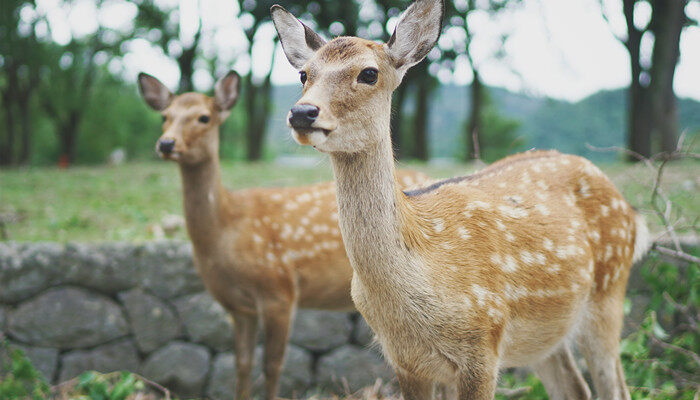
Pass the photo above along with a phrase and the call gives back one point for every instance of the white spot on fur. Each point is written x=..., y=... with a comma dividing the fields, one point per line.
x=542, y=185
x=553, y=268
x=542, y=209
x=438, y=225
x=510, y=237
x=271, y=257
x=478, y=204
x=512, y=212
x=257, y=238
x=585, y=187
x=304, y=197
x=304, y=221
x=276, y=196
x=595, y=235
x=499, y=225
x=548, y=244
x=605, y=210
x=507, y=263
x=463, y=233
x=608, y=253
x=291, y=206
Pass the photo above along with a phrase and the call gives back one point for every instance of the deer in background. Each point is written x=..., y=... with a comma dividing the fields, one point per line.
x=507, y=267
x=260, y=252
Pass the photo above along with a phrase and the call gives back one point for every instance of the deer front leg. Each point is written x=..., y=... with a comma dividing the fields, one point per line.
x=245, y=328
x=415, y=388
x=276, y=319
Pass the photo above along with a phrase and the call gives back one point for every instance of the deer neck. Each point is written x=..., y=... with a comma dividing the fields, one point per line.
x=202, y=198
x=369, y=203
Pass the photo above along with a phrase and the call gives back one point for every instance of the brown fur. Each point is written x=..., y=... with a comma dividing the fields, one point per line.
x=507, y=267
x=260, y=252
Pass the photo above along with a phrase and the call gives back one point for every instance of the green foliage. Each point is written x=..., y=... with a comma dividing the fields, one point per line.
x=94, y=386
x=660, y=358
x=19, y=378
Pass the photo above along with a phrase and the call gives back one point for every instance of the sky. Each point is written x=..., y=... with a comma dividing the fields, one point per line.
x=562, y=49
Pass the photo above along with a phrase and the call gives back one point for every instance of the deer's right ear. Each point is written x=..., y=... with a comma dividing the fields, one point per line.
x=156, y=95
x=299, y=42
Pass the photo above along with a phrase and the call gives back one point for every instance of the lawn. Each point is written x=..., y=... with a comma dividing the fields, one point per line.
x=127, y=202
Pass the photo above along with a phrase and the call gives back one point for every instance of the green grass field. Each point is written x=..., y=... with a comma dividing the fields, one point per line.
x=107, y=203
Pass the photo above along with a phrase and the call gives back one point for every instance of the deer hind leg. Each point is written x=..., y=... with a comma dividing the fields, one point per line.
x=413, y=387
x=478, y=383
x=599, y=341
x=245, y=328
x=276, y=321
x=561, y=377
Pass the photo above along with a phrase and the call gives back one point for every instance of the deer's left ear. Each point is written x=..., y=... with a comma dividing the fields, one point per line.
x=299, y=42
x=416, y=33
x=226, y=92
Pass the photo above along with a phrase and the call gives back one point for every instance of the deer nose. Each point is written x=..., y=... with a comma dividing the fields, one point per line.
x=166, y=146
x=303, y=115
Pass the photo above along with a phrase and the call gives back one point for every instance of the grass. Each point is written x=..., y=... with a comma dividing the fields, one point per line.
x=126, y=202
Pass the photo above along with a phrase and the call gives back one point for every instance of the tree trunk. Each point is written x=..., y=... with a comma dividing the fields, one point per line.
x=638, y=113
x=397, y=120
x=474, y=126
x=667, y=23
x=69, y=135
x=8, y=145
x=420, y=121
x=26, y=130
x=258, y=101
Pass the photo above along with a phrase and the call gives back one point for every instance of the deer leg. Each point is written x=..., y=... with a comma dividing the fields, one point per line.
x=415, y=388
x=276, y=320
x=245, y=328
x=599, y=341
x=478, y=383
x=561, y=377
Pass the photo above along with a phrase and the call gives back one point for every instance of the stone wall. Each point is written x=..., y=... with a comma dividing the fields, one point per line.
x=143, y=308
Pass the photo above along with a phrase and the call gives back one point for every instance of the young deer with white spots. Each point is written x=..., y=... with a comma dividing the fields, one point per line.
x=510, y=266
x=260, y=252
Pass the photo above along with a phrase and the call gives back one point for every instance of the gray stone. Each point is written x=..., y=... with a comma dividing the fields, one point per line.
x=153, y=322
x=181, y=367
x=117, y=356
x=44, y=359
x=222, y=384
x=106, y=267
x=363, y=334
x=67, y=318
x=296, y=378
x=28, y=268
x=205, y=321
x=167, y=269
x=351, y=366
x=320, y=330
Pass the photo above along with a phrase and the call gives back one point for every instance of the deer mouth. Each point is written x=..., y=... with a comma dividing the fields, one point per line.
x=310, y=136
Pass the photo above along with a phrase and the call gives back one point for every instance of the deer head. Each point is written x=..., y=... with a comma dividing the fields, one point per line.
x=348, y=82
x=191, y=120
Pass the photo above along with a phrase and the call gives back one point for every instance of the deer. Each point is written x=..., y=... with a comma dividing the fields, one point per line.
x=261, y=252
x=510, y=266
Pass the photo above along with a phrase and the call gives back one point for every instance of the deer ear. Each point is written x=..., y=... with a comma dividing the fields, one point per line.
x=416, y=33
x=226, y=91
x=156, y=95
x=299, y=42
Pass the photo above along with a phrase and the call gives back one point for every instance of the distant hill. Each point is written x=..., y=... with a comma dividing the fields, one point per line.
x=598, y=120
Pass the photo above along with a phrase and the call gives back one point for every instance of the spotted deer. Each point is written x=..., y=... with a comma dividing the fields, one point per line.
x=261, y=252
x=510, y=266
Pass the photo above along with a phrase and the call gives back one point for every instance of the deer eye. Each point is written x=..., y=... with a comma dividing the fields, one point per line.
x=203, y=119
x=302, y=77
x=368, y=76
x=165, y=117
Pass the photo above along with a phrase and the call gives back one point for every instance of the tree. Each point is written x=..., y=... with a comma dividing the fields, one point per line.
x=152, y=15
x=458, y=14
x=21, y=60
x=652, y=108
